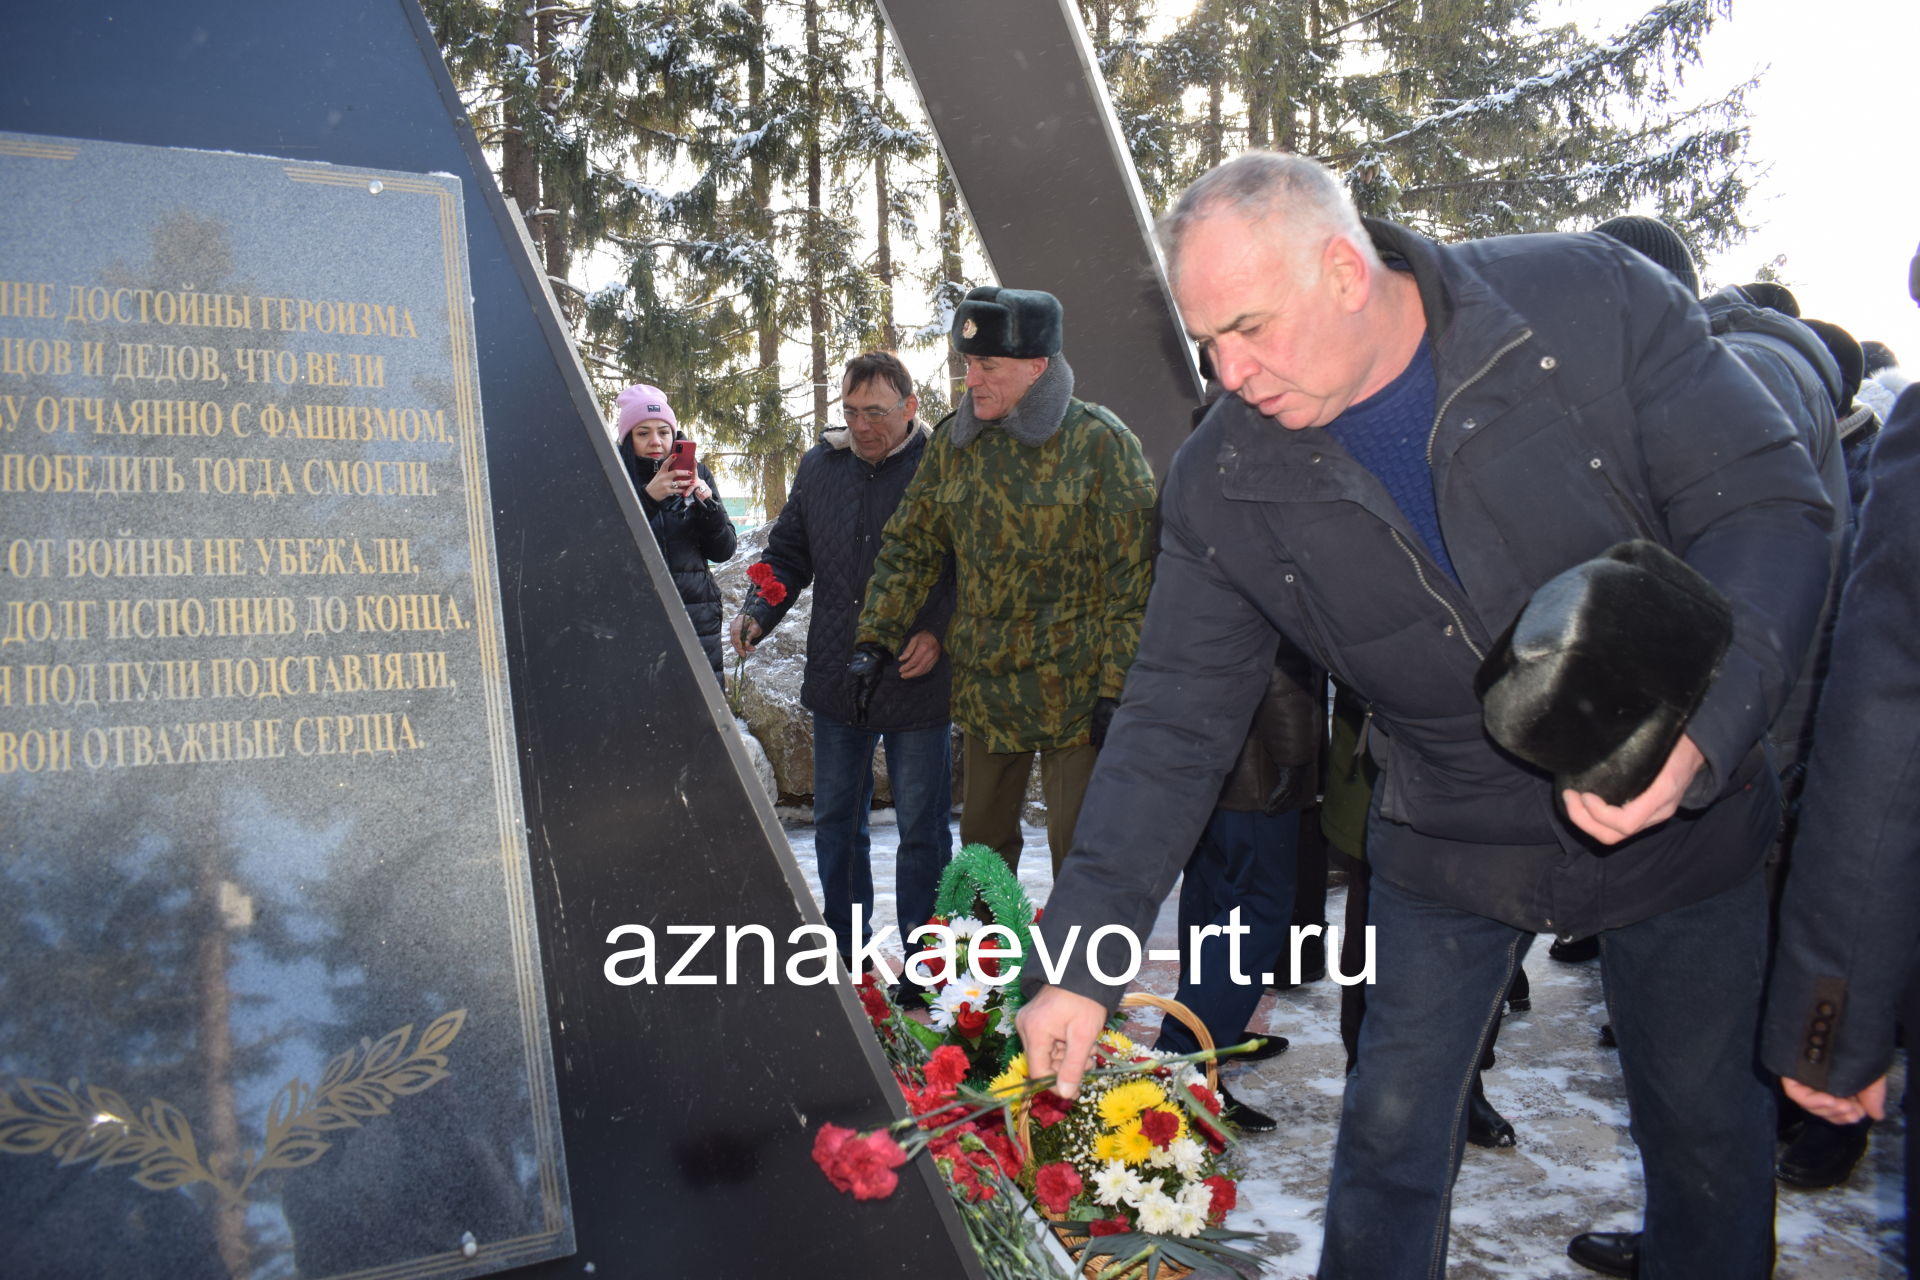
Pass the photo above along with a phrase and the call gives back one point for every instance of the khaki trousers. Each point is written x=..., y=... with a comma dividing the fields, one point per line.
x=994, y=790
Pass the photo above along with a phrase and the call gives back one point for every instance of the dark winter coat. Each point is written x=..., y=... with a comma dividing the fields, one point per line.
x=1278, y=768
x=826, y=537
x=1580, y=403
x=1799, y=372
x=1850, y=913
x=690, y=534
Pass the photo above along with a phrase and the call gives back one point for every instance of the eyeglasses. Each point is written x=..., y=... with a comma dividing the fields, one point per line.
x=856, y=413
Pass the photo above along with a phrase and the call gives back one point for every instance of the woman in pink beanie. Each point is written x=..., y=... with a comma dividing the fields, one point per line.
x=685, y=513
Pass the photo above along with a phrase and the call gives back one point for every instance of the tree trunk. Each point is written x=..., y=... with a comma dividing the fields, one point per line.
x=950, y=270
x=519, y=166
x=883, y=258
x=816, y=226
x=767, y=408
x=553, y=221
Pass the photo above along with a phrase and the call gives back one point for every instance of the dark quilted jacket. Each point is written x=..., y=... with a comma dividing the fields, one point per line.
x=689, y=537
x=826, y=537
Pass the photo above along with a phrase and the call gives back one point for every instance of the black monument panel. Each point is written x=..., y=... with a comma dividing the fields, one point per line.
x=687, y=1112
x=247, y=613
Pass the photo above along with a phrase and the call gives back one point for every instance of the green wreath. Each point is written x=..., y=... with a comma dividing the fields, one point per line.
x=978, y=878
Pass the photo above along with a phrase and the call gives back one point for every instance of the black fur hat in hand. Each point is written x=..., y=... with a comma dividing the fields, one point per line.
x=1596, y=679
x=1021, y=323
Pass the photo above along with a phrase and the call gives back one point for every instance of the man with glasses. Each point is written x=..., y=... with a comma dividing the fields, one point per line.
x=1044, y=503
x=847, y=487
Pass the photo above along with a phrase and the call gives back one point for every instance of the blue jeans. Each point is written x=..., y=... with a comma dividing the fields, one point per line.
x=1243, y=860
x=920, y=772
x=1683, y=993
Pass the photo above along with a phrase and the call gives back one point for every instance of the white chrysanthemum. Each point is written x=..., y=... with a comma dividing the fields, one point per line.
x=1196, y=1196
x=1114, y=1183
x=946, y=1005
x=1183, y=1155
x=1159, y=1214
x=965, y=926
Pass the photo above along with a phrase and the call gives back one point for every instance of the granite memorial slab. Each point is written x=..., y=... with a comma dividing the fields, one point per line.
x=270, y=990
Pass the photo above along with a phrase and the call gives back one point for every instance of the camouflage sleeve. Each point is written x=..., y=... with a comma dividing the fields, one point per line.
x=913, y=549
x=1126, y=506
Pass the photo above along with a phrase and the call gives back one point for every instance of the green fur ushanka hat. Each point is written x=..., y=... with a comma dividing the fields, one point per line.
x=1021, y=323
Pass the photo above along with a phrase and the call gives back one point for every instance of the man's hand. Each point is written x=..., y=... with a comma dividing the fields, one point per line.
x=1870, y=1101
x=1610, y=824
x=1058, y=1030
x=1101, y=720
x=869, y=660
x=919, y=654
x=745, y=634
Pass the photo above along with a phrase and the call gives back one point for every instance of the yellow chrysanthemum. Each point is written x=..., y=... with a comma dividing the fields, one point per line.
x=1012, y=1080
x=1127, y=1145
x=1126, y=1101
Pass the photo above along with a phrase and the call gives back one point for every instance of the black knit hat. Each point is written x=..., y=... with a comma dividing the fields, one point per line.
x=1772, y=295
x=1848, y=355
x=1021, y=323
x=1654, y=239
x=1596, y=679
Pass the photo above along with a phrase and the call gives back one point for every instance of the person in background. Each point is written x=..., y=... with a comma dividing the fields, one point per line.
x=1044, y=504
x=688, y=521
x=1846, y=969
x=826, y=538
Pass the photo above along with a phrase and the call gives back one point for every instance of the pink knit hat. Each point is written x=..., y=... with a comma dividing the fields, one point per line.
x=642, y=403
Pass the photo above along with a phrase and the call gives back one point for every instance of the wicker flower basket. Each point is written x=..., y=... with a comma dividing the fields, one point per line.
x=1095, y=1263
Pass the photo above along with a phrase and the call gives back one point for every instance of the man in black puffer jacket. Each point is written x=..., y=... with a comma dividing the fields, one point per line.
x=1421, y=436
x=827, y=536
x=685, y=513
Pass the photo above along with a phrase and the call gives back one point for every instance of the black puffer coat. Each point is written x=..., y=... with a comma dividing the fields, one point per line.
x=690, y=535
x=1581, y=402
x=827, y=537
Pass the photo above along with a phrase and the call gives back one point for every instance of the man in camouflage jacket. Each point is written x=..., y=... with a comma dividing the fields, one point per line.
x=1045, y=503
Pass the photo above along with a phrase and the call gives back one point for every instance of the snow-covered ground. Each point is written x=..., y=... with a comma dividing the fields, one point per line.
x=1574, y=1169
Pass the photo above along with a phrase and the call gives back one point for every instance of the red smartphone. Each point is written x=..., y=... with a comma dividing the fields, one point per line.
x=680, y=458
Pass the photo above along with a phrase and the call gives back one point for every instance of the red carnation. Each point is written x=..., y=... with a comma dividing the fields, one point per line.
x=1049, y=1108
x=971, y=1021
x=863, y=1165
x=946, y=1069
x=761, y=574
x=1225, y=1196
x=1056, y=1185
x=1204, y=1096
x=874, y=1002
x=1002, y=1148
x=1160, y=1126
x=1117, y=1225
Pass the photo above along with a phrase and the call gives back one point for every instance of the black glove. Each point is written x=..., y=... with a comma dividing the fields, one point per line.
x=869, y=660
x=1101, y=719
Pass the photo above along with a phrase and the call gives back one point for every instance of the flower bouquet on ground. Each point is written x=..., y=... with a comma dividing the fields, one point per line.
x=1129, y=1171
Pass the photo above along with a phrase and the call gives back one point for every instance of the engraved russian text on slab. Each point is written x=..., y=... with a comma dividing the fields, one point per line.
x=269, y=991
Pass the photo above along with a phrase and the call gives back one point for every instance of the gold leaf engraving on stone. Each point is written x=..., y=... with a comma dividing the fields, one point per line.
x=82, y=1124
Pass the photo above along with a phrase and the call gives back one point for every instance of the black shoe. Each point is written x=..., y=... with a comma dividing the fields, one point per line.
x=1485, y=1126
x=1611, y=1253
x=1273, y=1048
x=1520, y=994
x=1606, y=1036
x=1243, y=1117
x=1822, y=1154
x=1575, y=950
